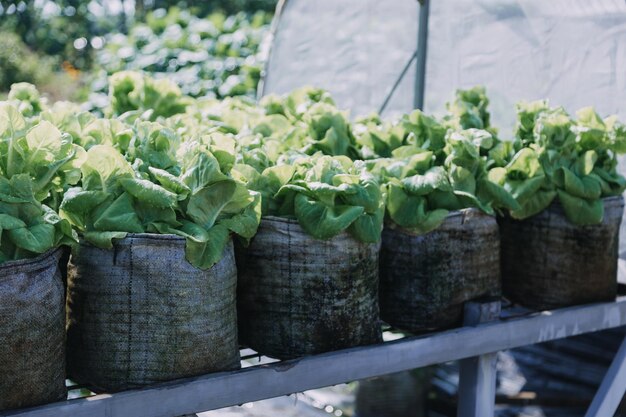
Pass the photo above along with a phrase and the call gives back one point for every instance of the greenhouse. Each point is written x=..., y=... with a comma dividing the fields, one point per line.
x=290, y=208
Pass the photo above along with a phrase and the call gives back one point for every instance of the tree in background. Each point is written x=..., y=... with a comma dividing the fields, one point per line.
x=202, y=8
x=18, y=63
x=69, y=29
x=61, y=29
x=40, y=36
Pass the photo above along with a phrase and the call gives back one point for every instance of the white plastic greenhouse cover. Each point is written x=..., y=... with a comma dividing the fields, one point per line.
x=572, y=52
x=353, y=48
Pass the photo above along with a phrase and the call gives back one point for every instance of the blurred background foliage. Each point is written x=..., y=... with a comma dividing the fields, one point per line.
x=69, y=47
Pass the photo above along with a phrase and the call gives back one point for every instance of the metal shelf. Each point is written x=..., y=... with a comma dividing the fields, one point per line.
x=264, y=381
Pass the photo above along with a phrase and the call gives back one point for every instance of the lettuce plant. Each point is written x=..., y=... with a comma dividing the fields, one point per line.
x=468, y=110
x=201, y=202
x=326, y=195
x=40, y=150
x=317, y=124
x=420, y=191
x=28, y=227
x=216, y=56
x=135, y=92
x=378, y=139
x=559, y=158
x=27, y=99
x=37, y=163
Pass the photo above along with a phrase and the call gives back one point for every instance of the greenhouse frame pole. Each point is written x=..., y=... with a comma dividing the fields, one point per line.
x=612, y=389
x=422, y=46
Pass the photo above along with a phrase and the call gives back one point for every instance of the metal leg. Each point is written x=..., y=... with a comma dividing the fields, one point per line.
x=477, y=383
x=612, y=389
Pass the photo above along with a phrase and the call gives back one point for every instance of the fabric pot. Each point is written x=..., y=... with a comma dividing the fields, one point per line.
x=548, y=262
x=32, y=332
x=426, y=279
x=139, y=313
x=298, y=295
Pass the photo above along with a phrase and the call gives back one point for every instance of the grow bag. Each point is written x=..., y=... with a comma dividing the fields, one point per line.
x=426, y=279
x=139, y=313
x=548, y=262
x=32, y=332
x=298, y=295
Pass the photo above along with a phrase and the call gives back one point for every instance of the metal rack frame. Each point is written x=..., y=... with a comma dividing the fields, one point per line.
x=484, y=334
x=479, y=339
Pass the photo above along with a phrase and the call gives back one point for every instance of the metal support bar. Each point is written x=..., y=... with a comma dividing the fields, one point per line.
x=422, y=46
x=477, y=382
x=224, y=389
x=612, y=389
x=397, y=83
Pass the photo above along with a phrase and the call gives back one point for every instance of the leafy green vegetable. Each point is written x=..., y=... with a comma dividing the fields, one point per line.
x=327, y=195
x=377, y=139
x=217, y=56
x=469, y=110
x=196, y=198
x=134, y=92
x=421, y=190
x=42, y=151
x=559, y=157
x=27, y=227
x=29, y=101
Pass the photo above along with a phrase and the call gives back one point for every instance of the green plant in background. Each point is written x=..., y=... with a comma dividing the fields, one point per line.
x=71, y=30
x=134, y=92
x=19, y=64
x=70, y=47
x=468, y=110
x=60, y=30
x=414, y=131
x=216, y=56
x=202, y=8
x=27, y=98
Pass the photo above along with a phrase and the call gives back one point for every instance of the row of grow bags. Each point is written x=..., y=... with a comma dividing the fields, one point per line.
x=140, y=314
x=158, y=193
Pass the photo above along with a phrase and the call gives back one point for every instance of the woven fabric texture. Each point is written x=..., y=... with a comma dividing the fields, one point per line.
x=299, y=296
x=32, y=332
x=548, y=262
x=139, y=313
x=426, y=279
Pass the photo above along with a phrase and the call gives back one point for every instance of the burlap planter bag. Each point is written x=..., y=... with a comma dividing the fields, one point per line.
x=548, y=262
x=139, y=313
x=32, y=332
x=425, y=279
x=299, y=296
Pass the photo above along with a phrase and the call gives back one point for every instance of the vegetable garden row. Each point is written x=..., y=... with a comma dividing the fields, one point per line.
x=215, y=56
x=195, y=224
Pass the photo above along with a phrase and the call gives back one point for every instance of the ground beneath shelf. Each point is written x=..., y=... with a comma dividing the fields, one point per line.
x=314, y=403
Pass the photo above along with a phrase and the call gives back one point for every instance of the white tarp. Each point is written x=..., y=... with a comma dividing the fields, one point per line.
x=353, y=48
x=572, y=52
